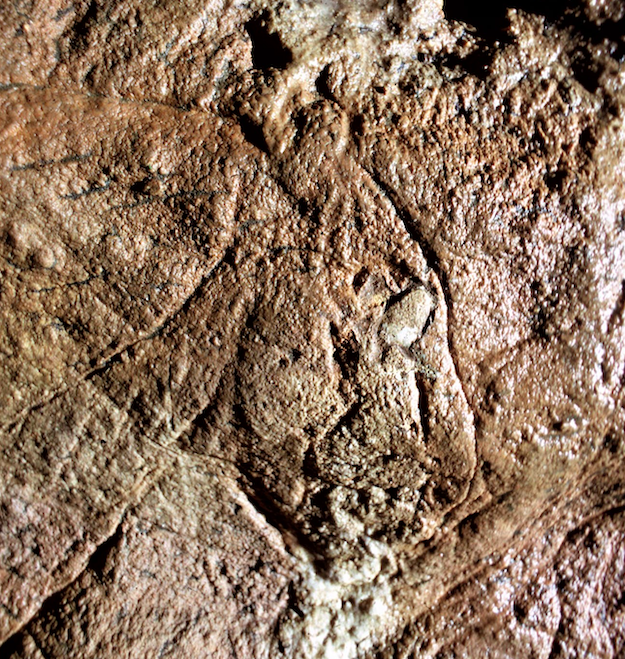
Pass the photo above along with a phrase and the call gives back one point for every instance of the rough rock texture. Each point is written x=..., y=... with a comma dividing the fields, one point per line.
x=312, y=336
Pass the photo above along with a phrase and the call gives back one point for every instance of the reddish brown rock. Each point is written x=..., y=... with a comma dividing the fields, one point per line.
x=312, y=339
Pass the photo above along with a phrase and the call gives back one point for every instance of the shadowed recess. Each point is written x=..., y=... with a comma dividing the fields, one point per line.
x=268, y=51
x=489, y=16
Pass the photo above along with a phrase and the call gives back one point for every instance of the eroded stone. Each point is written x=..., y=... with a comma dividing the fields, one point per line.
x=312, y=338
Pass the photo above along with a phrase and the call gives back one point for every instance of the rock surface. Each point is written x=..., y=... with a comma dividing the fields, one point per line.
x=312, y=336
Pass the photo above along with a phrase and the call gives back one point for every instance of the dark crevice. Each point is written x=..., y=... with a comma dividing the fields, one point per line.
x=102, y=368
x=13, y=647
x=616, y=317
x=253, y=133
x=475, y=63
x=292, y=603
x=142, y=187
x=240, y=420
x=346, y=353
x=414, y=231
x=268, y=51
x=587, y=70
x=489, y=20
x=83, y=27
x=98, y=561
x=310, y=467
x=424, y=407
x=322, y=84
x=265, y=504
x=489, y=17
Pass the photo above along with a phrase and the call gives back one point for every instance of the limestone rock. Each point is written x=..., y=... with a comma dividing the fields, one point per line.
x=312, y=337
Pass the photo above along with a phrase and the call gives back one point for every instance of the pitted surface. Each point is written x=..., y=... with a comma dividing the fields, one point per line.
x=312, y=338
